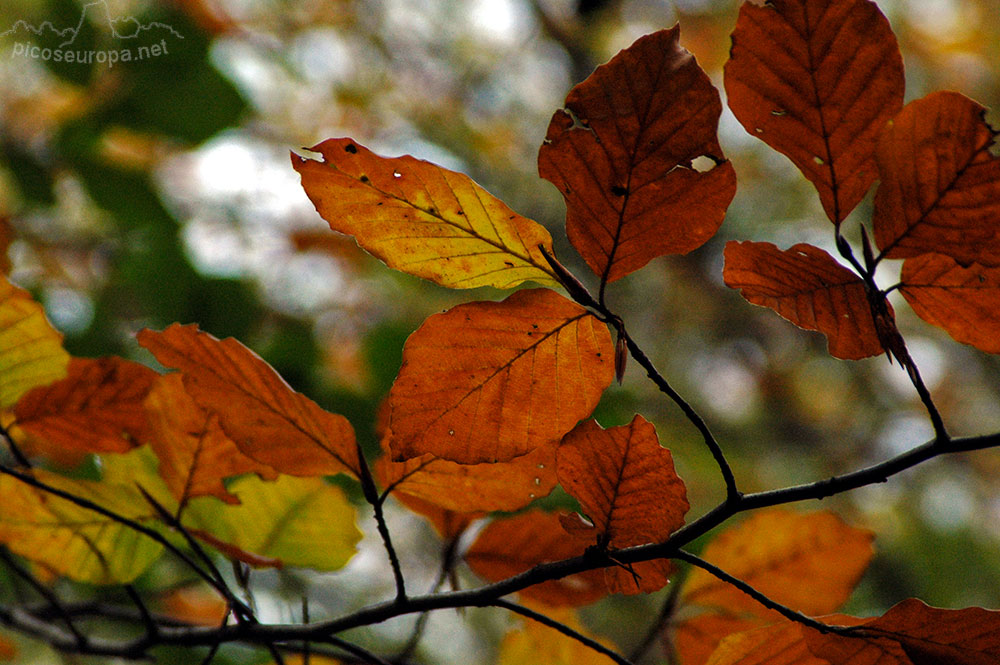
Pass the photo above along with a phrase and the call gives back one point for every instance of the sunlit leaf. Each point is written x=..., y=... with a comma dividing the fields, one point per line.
x=817, y=80
x=963, y=301
x=304, y=522
x=512, y=545
x=940, y=189
x=97, y=408
x=623, y=155
x=626, y=485
x=31, y=352
x=195, y=454
x=490, y=381
x=537, y=643
x=808, y=287
x=268, y=421
x=72, y=541
x=423, y=219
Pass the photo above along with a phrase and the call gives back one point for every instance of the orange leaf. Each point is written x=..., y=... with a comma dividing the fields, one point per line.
x=7, y=650
x=194, y=604
x=469, y=488
x=626, y=484
x=448, y=523
x=696, y=638
x=423, y=219
x=940, y=189
x=621, y=155
x=512, y=545
x=808, y=287
x=490, y=381
x=268, y=421
x=195, y=454
x=817, y=80
x=97, y=408
x=963, y=301
x=784, y=642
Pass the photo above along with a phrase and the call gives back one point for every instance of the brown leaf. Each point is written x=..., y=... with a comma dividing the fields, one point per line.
x=626, y=484
x=697, y=637
x=97, y=408
x=621, y=155
x=512, y=545
x=940, y=189
x=423, y=219
x=784, y=642
x=808, y=287
x=963, y=301
x=268, y=421
x=471, y=488
x=490, y=381
x=195, y=454
x=817, y=80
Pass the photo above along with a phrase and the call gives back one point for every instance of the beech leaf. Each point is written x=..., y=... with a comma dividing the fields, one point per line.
x=31, y=351
x=268, y=421
x=538, y=643
x=490, y=381
x=963, y=301
x=808, y=287
x=622, y=155
x=817, y=80
x=424, y=219
x=626, y=484
x=940, y=189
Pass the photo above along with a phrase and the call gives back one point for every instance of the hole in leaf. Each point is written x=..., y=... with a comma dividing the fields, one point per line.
x=703, y=163
x=819, y=160
x=351, y=148
x=397, y=174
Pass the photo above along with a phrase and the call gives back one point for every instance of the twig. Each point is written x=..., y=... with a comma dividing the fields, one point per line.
x=564, y=629
x=656, y=628
x=447, y=566
x=371, y=495
x=761, y=598
x=147, y=619
x=44, y=592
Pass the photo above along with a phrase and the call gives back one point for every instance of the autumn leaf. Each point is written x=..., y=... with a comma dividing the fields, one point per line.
x=808, y=287
x=782, y=642
x=423, y=219
x=512, y=545
x=807, y=561
x=269, y=422
x=623, y=153
x=8, y=652
x=304, y=522
x=470, y=488
x=940, y=189
x=195, y=454
x=449, y=524
x=490, y=381
x=538, y=643
x=963, y=301
x=197, y=605
x=626, y=485
x=72, y=541
x=97, y=408
x=817, y=80
x=31, y=352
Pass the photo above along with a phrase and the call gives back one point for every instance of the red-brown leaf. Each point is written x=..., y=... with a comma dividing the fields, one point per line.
x=940, y=189
x=268, y=421
x=97, y=408
x=808, y=287
x=817, y=80
x=621, y=155
x=963, y=301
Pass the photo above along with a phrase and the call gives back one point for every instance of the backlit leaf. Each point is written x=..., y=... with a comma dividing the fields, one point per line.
x=783, y=642
x=817, y=80
x=963, y=301
x=304, y=522
x=97, y=408
x=808, y=287
x=626, y=485
x=268, y=421
x=940, y=189
x=72, y=541
x=490, y=381
x=538, y=643
x=31, y=352
x=512, y=545
x=194, y=453
x=623, y=155
x=468, y=488
x=423, y=219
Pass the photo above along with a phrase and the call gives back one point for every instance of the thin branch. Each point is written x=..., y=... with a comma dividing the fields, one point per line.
x=448, y=556
x=371, y=495
x=54, y=603
x=564, y=629
x=147, y=619
x=658, y=625
x=761, y=598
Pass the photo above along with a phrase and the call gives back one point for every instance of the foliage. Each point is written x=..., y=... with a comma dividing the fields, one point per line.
x=118, y=475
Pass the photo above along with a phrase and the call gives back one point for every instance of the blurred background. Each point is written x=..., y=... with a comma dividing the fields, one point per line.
x=138, y=194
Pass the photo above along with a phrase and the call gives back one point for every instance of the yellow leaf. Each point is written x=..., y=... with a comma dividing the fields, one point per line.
x=303, y=522
x=423, y=219
x=536, y=643
x=31, y=352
